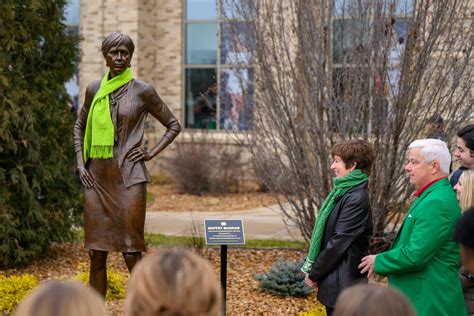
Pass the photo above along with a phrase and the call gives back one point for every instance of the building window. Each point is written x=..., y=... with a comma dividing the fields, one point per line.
x=218, y=72
x=353, y=24
x=71, y=15
x=354, y=40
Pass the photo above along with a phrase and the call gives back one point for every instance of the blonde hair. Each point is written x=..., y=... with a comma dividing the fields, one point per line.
x=60, y=298
x=372, y=299
x=173, y=282
x=467, y=189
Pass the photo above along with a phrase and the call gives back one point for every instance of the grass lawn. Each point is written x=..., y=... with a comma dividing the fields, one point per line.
x=153, y=239
x=164, y=240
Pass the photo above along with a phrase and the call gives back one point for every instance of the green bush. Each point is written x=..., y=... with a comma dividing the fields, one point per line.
x=115, y=284
x=39, y=193
x=284, y=279
x=13, y=289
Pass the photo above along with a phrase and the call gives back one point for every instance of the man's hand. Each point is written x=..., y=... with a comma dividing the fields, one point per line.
x=138, y=154
x=85, y=177
x=367, y=265
x=310, y=282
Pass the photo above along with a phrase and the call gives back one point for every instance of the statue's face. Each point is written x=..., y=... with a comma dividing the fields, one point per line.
x=118, y=59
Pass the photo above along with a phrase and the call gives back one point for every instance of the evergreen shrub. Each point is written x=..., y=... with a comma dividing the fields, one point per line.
x=39, y=193
x=284, y=279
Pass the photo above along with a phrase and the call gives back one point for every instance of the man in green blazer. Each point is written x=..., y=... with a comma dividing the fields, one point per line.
x=423, y=261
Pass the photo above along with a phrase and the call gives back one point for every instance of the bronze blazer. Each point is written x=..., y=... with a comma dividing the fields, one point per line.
x=140, y=99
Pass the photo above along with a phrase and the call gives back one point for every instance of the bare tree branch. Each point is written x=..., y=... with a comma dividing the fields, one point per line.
x=332, y=70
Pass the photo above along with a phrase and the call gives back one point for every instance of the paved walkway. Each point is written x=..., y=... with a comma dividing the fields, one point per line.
x=260, y=223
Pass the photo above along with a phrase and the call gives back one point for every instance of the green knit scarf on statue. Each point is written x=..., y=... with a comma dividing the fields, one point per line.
x=341, y=186
x=99, y=134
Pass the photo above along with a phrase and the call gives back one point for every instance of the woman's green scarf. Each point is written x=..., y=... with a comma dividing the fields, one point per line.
x=341, y=186
x=99, y=134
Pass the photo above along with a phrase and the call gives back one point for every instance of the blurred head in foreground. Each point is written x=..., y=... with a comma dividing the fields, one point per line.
x=173, y=282
x=372, y=299
x=62, y=298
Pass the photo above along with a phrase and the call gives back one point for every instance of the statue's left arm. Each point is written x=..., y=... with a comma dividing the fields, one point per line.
x=156, y=107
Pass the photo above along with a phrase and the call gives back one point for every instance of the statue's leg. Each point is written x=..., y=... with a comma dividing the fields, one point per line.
x=131, y=259
x=98, y=271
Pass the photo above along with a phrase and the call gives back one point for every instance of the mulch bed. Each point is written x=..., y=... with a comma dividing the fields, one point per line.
x=243, y=295
x=168, y=197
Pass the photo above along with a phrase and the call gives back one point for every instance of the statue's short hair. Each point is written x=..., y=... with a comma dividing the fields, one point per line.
x=117, y=39
x=434, y=150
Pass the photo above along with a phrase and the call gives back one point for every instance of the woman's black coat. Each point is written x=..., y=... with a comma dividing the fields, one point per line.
x=345, y=243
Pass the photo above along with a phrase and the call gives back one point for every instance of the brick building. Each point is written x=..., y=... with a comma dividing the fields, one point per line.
x=190, y=51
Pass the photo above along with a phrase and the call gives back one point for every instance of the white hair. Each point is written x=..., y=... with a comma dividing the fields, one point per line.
x=434, y=150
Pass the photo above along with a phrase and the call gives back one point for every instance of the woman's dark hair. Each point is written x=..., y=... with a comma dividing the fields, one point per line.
x=355, y=152
x=467, y=135
x=116, y=39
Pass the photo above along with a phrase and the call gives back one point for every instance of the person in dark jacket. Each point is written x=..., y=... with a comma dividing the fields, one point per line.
x=465, y=194
x=343, y=226
x=463, y=235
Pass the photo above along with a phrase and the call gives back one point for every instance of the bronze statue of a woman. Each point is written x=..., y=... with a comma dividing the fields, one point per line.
x=108, y=137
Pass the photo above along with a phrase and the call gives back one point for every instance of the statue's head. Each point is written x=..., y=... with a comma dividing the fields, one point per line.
x=116, y=39
x=117, y=49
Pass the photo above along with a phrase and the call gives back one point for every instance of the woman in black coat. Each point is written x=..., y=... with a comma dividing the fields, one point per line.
x=343, y=227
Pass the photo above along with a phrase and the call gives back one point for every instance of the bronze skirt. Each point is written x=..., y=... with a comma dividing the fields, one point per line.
x=114, y=215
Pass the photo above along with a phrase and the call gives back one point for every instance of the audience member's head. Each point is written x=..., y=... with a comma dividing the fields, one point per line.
x=58, y=298
x=434, y=127
x=465, y=147
x=173, y=282
x=355, y=153
x=465, y=189
x=372, y=299
x=465, y=237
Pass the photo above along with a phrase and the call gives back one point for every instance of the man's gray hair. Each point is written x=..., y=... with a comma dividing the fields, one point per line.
x=434, y=150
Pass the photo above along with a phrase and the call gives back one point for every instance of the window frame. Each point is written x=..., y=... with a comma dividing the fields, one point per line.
x=406, y=15
x=219, y=67
x=343, y=65
x=74, y=27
